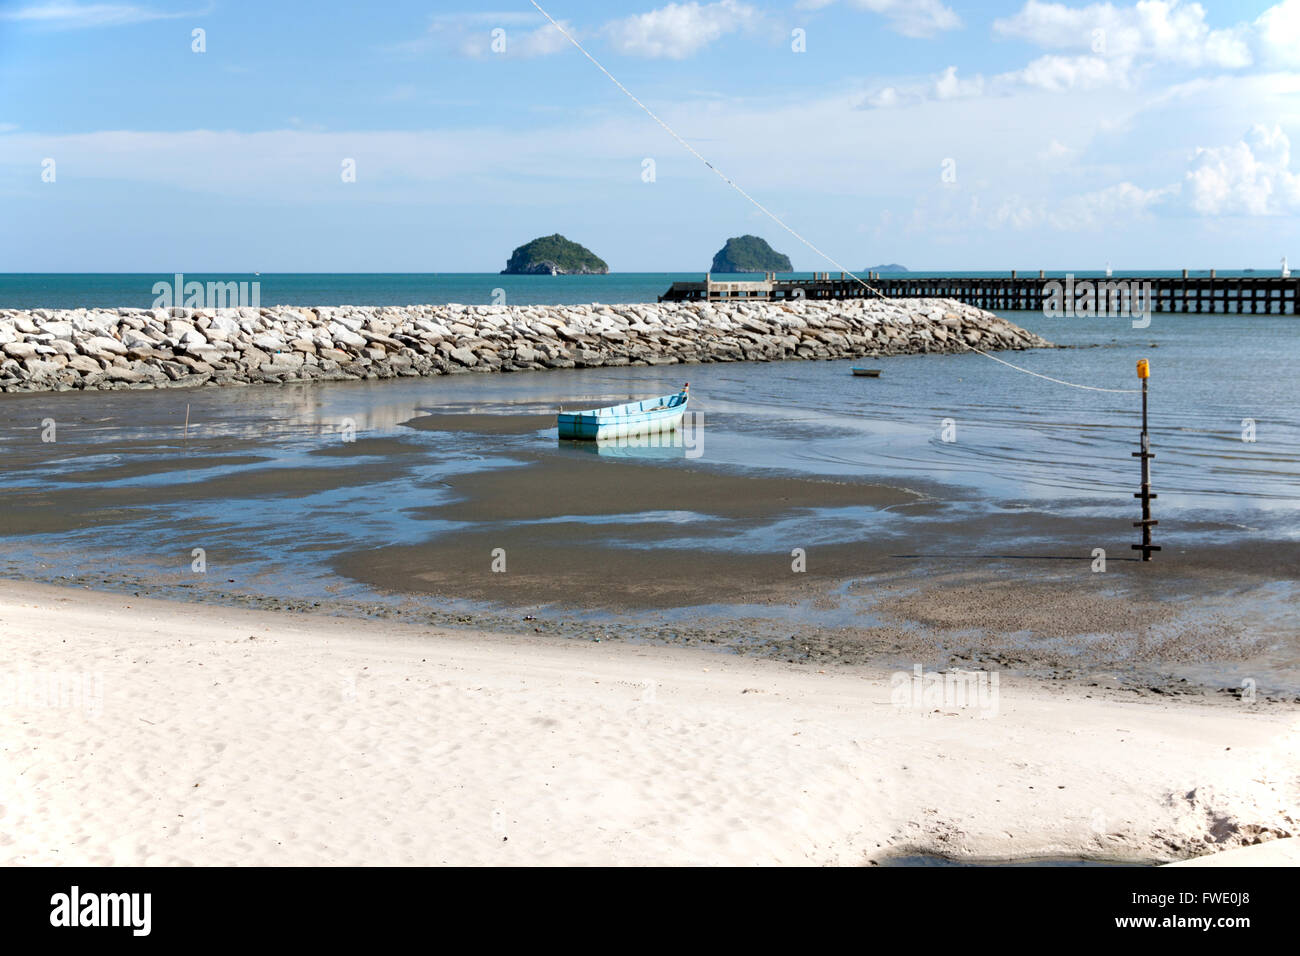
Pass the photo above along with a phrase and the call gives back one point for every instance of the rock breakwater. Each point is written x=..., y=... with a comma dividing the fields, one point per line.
x=59, y=350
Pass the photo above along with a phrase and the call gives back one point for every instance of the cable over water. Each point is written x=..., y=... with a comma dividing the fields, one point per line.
x=771, y=215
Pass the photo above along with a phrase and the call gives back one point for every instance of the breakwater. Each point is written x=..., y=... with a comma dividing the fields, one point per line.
x=59, y=350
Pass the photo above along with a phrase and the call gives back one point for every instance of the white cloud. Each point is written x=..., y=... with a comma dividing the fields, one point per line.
x=1051, y=73
x=864, y=163
x=1097, y=209
x=72, y=16
x=912, y=18
x=943, y=86
x=542, y=41
x=1279, y=33
x=1057, y=74
x=1112, y=204
x=472, y=35
x=1159, y=30
x=1123, y=46
x=679, y=30
x=1252, y=177
x=948, y=86
x=886, y=98
x=1055, y=151
x=1249, y=178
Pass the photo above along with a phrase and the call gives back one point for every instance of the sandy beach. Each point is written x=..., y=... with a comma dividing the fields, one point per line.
x=209, y=735
x=708, y=434
x=832, y=639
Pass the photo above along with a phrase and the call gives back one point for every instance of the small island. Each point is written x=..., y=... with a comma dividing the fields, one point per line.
x=886, y=267
x=554, y=255
x=749, y=254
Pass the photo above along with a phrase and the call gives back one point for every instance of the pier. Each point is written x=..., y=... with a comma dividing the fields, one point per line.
x=1244, y=295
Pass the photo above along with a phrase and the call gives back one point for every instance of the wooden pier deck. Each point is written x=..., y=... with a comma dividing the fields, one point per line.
x=1247, y=295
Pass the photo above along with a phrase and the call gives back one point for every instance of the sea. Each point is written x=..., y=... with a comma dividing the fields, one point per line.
x=1225, y=389
x=987, y=439
x=136, y=290
x=1224, y=394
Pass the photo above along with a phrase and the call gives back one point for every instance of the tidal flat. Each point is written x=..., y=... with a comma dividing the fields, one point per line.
x=824, y=520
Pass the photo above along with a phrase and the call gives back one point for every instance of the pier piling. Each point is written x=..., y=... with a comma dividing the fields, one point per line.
x=1147, y=522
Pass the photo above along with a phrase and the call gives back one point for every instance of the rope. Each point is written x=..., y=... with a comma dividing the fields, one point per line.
x=1090, y=388
x=771, y=215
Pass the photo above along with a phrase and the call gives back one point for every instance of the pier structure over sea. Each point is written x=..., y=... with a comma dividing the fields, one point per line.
x=1240, y=294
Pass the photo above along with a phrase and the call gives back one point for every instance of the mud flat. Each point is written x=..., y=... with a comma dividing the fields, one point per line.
x=50, y=349
x=184, y=734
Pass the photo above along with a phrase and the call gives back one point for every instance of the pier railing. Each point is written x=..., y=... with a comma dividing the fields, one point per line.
x=1248, y=295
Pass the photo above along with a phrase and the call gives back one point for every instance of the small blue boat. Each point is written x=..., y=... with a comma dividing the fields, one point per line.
x=646, y=417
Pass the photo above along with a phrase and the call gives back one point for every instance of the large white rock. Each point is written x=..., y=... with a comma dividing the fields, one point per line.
x=283, y=361
x=98, y=344
x=270, y=342
x=60, y=330
x=20, y=350
x=83, y=363
x=344, y=335
x=137, y=340
x=352, y=323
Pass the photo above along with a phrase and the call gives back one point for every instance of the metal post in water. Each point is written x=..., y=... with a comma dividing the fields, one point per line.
x=1147, y=522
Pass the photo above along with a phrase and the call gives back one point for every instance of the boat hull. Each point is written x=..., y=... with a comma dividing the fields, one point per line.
x=649, y=417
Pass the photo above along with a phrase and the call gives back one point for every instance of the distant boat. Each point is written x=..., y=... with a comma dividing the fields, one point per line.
x=866, y=372
x=649, y=416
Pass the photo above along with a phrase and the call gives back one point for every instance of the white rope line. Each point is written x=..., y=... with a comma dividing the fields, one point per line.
x=694, y=152
x=1091, y=388
x=771, y=215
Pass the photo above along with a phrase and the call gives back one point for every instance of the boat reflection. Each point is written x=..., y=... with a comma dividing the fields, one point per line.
x=624, y=448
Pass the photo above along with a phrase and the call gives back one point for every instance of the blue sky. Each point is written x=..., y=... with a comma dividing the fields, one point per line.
x=939, y=135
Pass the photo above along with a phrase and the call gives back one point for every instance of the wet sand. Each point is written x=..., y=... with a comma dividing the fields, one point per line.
x=578, y=532
x=467, y=421
x=674, y=551
x=573, y=480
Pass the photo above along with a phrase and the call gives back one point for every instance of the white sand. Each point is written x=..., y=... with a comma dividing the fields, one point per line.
x=1272, y=853
x=242, y=737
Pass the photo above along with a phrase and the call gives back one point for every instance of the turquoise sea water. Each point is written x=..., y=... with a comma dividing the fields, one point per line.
x=135, y=290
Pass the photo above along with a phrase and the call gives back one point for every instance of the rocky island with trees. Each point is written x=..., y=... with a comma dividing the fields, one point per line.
x=554, y=255
x=749, y=254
